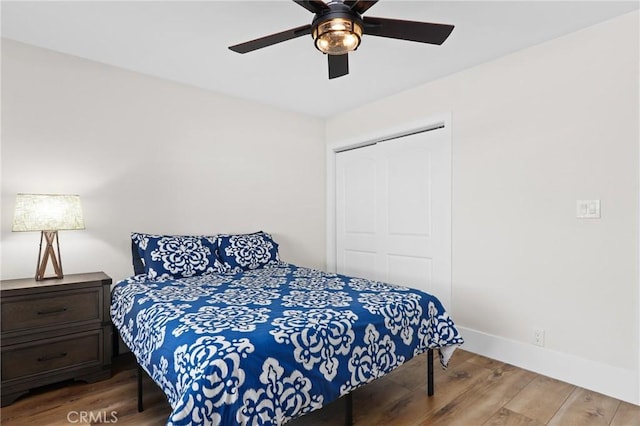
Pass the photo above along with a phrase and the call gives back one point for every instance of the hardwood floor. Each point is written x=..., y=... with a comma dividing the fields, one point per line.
x=474, y=391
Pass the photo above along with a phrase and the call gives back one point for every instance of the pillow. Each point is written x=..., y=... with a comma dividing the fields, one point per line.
x=247, y=251
x=141, y=241
x=177, y=256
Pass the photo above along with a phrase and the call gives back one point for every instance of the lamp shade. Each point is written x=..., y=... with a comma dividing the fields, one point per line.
x=47, y=212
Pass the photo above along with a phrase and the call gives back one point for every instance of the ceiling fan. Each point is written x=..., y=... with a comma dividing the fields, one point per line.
x=338, y=26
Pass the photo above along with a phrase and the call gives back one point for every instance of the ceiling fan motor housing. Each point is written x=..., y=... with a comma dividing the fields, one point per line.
x=337, y=29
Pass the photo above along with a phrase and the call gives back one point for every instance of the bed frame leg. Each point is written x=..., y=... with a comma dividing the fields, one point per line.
x=348, y=413
x=140, y=407
x=115, y=342
x=430, y=372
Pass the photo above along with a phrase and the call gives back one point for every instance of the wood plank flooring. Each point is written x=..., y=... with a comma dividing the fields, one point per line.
x=474, y=391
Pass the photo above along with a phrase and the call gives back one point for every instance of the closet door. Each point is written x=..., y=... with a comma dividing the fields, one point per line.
x=356, y=212
x=393, y=212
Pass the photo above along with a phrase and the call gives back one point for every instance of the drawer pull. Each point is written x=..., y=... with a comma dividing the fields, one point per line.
x=52, y=311
x=49, y=358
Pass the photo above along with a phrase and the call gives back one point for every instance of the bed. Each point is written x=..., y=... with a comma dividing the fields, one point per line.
x=233, y=335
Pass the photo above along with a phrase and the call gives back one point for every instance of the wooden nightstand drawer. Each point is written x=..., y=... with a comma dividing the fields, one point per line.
x=72, y=351
x=51, y=309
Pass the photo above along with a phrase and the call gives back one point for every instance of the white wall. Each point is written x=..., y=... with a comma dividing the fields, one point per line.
x=153, y=156
x=532, y=133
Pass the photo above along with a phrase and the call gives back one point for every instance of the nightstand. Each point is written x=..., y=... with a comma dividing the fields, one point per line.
x=54, y=330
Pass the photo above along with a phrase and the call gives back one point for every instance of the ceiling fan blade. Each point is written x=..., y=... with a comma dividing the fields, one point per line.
x=360, y=6
x=338, y=65
x=313, y=6
x=423, y=32
x=261, y=42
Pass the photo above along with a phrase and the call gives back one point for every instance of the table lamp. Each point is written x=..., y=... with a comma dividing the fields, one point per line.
x=48, y=213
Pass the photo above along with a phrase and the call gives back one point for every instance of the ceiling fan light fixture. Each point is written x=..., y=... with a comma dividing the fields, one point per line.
x=337, y=36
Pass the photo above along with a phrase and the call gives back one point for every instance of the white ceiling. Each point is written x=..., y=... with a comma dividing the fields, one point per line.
x=187, y=42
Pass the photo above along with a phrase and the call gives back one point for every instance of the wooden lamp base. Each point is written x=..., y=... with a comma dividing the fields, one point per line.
x=49, y=255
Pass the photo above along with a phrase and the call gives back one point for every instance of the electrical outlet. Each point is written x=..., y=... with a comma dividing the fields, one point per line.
x=538, y=336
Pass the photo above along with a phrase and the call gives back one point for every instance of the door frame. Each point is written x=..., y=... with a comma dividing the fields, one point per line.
x=378, y=135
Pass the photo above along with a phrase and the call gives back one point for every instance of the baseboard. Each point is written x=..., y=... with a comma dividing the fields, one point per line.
x=616, y=382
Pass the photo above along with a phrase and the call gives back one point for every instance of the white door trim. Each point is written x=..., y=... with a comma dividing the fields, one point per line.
x=334, y=146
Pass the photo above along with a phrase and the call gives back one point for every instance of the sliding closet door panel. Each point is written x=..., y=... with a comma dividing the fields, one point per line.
x=417, y=202
x=439, y=240
x=356, y=220
x=393, y=212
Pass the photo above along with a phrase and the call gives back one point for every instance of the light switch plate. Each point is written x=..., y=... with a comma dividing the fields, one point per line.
x=588, y=209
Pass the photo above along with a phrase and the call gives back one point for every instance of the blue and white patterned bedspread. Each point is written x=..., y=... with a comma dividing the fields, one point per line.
x=265, y=346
